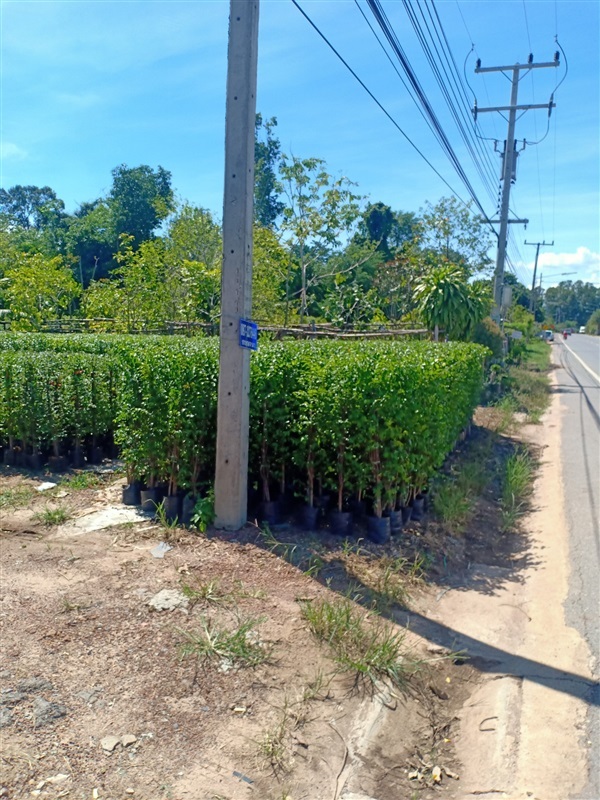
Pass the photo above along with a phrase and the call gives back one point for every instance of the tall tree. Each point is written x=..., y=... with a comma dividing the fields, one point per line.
x=388, y=229
x=452, y=232
x=38, y=289
x=271, y=265
x=572, y=301
x=319, y=218
x=267, y=152
x=92, y=240
x=140, y=199
x=193, y=235
x=31, y=207
x=35, y=219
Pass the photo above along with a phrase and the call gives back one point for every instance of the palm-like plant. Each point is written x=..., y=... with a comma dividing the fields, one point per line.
x=445, y=300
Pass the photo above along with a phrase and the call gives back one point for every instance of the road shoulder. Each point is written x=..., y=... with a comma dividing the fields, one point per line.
x=520, y=733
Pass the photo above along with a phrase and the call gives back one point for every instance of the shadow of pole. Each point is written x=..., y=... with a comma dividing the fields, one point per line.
x=488, y=658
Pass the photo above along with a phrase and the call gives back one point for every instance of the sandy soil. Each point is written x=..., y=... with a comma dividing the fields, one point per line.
x=97, y=700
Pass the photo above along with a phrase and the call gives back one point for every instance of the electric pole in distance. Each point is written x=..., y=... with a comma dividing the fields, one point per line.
x=508, y=173
x=537, y=245
x=231, y=470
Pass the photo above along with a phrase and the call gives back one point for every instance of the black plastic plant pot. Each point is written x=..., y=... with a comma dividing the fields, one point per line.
x=172, y=507
x=270, y=512
x=57, y=464
x=340, y=522
x=378, y=529
x=131, y=495
x=418, y=508
x=78, y=458
x=187, y=509
x=358, y=508
x=396, y=524
x=8, y=459
x=321, y=501
x=309, y=517
x=95, y=455
x=149, y=499
x=406, y=512
x=35, y=461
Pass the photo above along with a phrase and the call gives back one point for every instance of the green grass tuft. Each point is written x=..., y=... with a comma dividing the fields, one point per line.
x=517, y=482
x=234, y=648
x=16, y=498
x=371, y=651
x=53, y=516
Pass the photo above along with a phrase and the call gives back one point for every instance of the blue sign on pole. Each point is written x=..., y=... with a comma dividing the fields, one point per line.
x=248, y=334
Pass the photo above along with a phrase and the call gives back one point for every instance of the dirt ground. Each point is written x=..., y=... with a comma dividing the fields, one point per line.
x=98, y=699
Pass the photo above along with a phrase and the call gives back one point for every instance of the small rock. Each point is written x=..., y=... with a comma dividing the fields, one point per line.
x=129, y=791
x=451, y=774
x=108, y=743
x=89, y=695
x=128, y=739
x=43, y=487
x=168, y=600
x=56, y=780
x=436, y=774
x=45, y=713
x=34, y=685
x=10, y=698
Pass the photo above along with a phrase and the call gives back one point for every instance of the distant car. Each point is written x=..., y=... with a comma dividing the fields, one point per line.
x=582, y=329
x=548, y=336
x=568, y=331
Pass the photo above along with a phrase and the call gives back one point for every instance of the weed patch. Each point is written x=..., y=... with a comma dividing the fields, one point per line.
x=451, y=504
x=371, y=651
x=53, y=516
x=16, y=498
x=516, y=486
x=239, y=647
x=82, y=480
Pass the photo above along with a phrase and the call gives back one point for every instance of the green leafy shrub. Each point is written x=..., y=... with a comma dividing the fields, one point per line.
x=373, y=419
x=488, y=333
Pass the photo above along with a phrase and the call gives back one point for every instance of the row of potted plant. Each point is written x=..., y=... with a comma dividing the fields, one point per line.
x=363, y=420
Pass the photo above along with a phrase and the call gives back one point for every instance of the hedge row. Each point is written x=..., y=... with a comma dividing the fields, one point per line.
x=369, y=419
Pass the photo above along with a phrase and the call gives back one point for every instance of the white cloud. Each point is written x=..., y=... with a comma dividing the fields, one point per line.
x=581, y=259
x=582, y=265
x=11, y=151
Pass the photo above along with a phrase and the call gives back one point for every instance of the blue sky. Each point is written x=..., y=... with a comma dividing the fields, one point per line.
x=86, y=86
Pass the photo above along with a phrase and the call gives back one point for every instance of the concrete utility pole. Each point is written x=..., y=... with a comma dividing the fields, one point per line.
x=509, y=161
x=231, y=473
x=537, y=245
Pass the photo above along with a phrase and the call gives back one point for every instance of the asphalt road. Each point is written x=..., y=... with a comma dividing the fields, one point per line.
x=578, y=380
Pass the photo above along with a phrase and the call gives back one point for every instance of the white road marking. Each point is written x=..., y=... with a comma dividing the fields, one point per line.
x=583, y=364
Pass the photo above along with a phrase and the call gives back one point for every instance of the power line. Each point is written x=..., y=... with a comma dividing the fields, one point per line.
x=527, y=25
x=372, y=96
x=411, y=94
x=389, y=33
x=464, y=104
